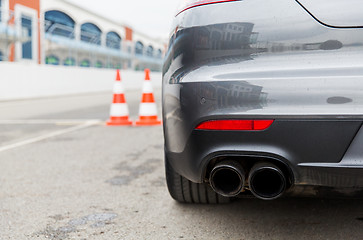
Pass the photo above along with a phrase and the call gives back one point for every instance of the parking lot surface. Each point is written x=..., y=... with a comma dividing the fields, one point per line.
x=65, y=175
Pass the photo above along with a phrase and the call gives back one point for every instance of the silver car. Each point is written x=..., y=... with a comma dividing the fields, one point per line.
x=264, y=98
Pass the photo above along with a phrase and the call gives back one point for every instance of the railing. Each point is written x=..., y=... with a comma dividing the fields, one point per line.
x=11, y=33
x=8, y=34
x=97, y=47
x=64, y=43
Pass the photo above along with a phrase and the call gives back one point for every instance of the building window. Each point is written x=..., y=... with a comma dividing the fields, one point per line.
x=60, y=24
x=99, y=64
x=159, y=53
x=118, y=66
x=113, y=40
x=85, y=63
x=69, y=62
x=139, y=48
x=91, y=33
x=52, y=60
x=150, y=51
x=26, y=24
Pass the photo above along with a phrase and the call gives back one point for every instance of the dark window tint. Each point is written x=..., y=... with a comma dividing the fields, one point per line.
x=69, y=62
x=26, y=24
x=85, y=63
x=52, y=60
x=159, y=53
x=150, y=51
x=99, y=64
x=59, y=23
x=113, y=40
x=91, y=33
x=139, y=48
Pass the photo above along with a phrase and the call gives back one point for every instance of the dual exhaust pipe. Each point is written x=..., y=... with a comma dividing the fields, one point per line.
x=266, y=180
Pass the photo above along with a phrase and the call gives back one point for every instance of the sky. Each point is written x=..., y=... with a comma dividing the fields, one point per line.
x=151, y=17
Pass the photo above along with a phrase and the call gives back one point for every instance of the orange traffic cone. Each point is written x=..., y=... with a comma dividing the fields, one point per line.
x=147, y=112
x=119, y=113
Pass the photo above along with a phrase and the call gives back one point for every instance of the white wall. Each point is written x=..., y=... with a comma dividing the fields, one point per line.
x=21, y=80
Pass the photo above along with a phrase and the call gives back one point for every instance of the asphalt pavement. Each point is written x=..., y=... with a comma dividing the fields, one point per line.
x=65, y=175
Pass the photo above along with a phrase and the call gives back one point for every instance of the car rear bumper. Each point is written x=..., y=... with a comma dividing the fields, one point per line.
x=317, y=149
x=265, y=60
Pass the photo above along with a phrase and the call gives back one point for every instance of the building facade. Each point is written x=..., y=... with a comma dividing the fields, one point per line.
x=59, y=32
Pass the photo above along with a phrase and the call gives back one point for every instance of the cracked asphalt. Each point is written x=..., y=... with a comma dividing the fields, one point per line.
x=65, y=175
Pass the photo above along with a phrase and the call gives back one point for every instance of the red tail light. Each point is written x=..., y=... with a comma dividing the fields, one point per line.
x=239, y=125
x=187, y=4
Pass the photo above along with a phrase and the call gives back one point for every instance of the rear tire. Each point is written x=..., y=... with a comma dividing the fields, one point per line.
x=185, y=191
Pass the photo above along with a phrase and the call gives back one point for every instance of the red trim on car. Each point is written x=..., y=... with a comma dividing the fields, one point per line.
x=239, y=125
x=197, y=3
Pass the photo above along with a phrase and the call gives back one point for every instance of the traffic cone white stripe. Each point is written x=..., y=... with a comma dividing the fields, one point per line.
x=147, y=88
x=147, y=109
x=118, y=88
x=119, y=110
